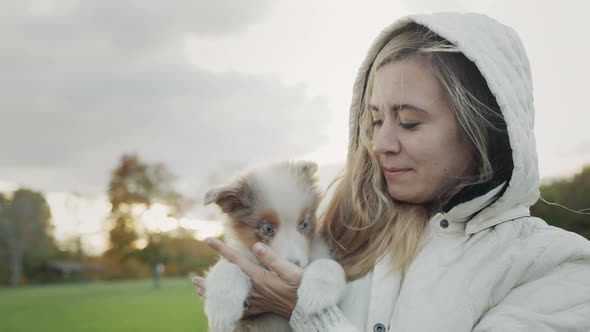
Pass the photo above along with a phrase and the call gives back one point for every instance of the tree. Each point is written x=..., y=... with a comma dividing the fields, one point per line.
x=133, y=183
x=180, y=251
x=573, y=193
x=25, y=230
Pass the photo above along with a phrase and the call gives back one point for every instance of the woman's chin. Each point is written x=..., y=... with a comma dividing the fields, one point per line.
x=411, y=197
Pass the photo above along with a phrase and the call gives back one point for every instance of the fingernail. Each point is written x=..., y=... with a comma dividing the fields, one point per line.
x=260, y=249
x=195, y=280
x=210, y=240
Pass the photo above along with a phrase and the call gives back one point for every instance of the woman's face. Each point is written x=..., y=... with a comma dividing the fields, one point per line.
x=416, y=137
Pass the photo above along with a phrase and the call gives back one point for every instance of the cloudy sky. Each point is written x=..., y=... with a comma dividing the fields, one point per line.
x=209, y=86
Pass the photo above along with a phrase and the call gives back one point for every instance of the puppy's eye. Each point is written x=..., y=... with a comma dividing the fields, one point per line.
x=267, y=229
x=304, y=226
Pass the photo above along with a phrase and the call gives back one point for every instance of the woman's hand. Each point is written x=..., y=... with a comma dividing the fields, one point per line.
x=272, y=291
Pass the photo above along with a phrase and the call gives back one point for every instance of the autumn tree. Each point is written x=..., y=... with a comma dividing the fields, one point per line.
x=136, y=183
x=25, y=231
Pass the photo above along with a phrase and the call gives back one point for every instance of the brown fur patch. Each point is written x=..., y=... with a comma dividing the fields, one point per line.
x=268, y=217
x=248, y=228
x=233, y=198
x=245, y=233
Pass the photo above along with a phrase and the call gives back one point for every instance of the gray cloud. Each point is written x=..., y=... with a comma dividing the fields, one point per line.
x=426, y=6
x=132, y=20
x=580, y=149
x=83, y=84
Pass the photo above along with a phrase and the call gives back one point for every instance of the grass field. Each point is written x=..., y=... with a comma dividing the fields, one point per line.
x=103, y=306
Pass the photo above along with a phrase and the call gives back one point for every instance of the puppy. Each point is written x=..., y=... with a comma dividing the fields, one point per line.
x=275, y=205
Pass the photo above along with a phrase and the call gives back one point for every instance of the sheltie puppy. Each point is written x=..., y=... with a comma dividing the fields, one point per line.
x=275, y=205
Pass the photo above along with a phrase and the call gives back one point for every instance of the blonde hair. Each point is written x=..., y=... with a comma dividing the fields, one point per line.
x=362, y=222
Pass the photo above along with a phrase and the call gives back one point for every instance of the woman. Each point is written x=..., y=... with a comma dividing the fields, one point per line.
x=431, y=218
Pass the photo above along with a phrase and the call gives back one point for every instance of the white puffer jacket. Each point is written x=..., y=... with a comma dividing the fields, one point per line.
x=497, y=270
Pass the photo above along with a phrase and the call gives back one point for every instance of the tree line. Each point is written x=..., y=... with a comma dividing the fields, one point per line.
x=574, y=194
x=30, y=254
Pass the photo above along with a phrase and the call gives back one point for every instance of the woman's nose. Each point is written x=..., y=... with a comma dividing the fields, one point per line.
x=385, y=139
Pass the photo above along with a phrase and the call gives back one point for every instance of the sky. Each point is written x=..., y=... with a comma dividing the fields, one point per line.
x=209, y=87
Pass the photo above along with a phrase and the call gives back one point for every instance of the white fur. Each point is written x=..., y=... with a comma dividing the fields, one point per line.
x=227, y=287
x=321, y=286
x=324, y=276
x=272, y=182
x=292, y=245
x=319, y=249
x=283, y=192
x=287, y=194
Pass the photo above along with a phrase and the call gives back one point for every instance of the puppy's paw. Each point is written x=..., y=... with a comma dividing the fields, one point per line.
x=223, y=310
x=321, y=286
x=227, y=289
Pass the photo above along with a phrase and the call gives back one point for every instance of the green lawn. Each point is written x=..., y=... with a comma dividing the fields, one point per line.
x=103, y=306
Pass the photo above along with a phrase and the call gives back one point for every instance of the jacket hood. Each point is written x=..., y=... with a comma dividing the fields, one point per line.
x=500, y=56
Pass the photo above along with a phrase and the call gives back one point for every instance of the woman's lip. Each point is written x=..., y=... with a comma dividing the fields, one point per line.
x=395, y=169
x=394, y=172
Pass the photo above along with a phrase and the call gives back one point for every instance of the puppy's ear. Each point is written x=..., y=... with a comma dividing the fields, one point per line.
x=231, y=198
x=308, y=169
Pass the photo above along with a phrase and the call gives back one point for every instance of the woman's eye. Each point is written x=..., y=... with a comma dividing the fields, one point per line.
x=304, y=225
x=267, y=229
x=408, y=125
x=377, y=123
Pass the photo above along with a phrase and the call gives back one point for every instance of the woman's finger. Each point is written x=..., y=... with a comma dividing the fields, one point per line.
x=253, y=310
x=234, y=257
x=287, y=271
x=199, y=281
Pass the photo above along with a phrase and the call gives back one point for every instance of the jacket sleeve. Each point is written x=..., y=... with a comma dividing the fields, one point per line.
x=558, y=299
x=329, y=320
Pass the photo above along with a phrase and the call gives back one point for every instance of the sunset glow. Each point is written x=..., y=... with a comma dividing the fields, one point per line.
x=87, y=217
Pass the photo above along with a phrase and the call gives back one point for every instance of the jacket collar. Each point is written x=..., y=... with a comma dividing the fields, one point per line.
x=479, y=213
x=464, y=211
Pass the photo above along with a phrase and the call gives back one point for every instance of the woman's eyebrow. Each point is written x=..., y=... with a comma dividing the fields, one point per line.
x=398, y=107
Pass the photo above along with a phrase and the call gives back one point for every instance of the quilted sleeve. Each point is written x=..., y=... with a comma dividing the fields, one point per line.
x=556, y=300
x=329, y=320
